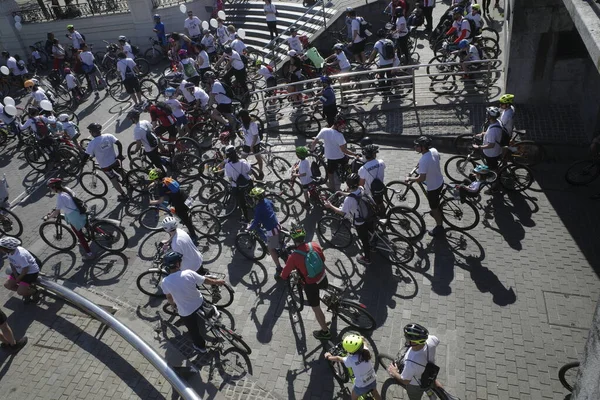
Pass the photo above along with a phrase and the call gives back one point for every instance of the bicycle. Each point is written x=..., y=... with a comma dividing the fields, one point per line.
x=279, y=166
x=567, y=375
x=63, y=157
x=10, y=224
x=252, y=244
x=156, y=53
x=106, y=233
x=148, y=282
x=342, y=373
x=352, y=129
x=583, y=172
x=149, y=89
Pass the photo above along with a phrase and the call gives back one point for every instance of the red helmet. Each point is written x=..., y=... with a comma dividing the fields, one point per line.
x=225, y=137
x=53, y=182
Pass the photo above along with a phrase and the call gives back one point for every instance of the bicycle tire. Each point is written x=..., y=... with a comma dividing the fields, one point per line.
x=351, y=312
x=353, y=130
x=491, y=33
x=52, y=233
x=250, y=247
x=290, y=189
x=187, y=145
x=108, y=235
x=11, y=225
x=137, y=180
x=528, y=153
x=203, y=133
x=205, y=223
x=445, y=86
x=143, y=65
x=153, y=56
x=280, y=206
x=188, y=165
x=36, y=158
x=116, y=90
x=148, y=282
x=562, y=374
x=235, y=339
x=3, y=136
x=307, y=125
x=458, y=168
x=339, y=371
x=209, y=188
x=385, y=360
x=295, y=295
x=69, y=161
x=334, y=231
x=149, y=89
x=222, y=204
x=406, y=222
x=463, y=143
x=438, y=65
x=455, y=214
x=280, y=167
x=515, y=178
x=402, y=194
x=152, y=217
x=93, y=184
x=582, y=172
x=220, y=300
x=398, y=250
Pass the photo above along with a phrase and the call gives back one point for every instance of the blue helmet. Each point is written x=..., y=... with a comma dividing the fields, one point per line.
x=156, y=16
x=481, y=169
x=170, y=91
x=463, y=44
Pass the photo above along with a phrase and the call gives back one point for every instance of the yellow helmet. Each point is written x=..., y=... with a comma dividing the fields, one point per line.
x=29, y=83
x=507, y=98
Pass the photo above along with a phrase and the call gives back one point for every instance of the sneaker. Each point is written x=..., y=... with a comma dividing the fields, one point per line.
x=363, y=260
x=202, y=350
x=19, y=345
x=278, y=272
x=435, y=231
x=322, y=335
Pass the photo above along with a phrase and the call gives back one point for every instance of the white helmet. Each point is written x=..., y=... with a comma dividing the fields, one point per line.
x=169, y=224
x=122, y=38
x=63, y=117
x=10, y=243
x=292, y=53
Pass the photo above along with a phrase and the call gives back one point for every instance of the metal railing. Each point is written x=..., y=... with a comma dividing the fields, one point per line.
x=166, y=3
x=184, y=390
x=31, y=13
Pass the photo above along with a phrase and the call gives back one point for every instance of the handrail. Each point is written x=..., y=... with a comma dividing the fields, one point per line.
x=184, y=390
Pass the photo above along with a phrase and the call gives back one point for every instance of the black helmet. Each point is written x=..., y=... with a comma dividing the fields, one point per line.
x=415, y=333
x=365, y=141
x=171, y=259
x=209, y=75
x=370, y=150
x=423, y=141
x=352, y=180
x=95, y=128
x=243, y=113
x=381, y=33
x=230, y=150
x=133, y=114
x=228, y=49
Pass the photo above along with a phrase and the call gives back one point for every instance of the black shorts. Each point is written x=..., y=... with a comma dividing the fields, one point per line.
x=132, y=85
x=3, y=317
x=172, y=129
x=433, y=196
x=257, y=149
x=357, y=48
x=312, y=292
x=224, y=108
x=332, y=165
x=271, y=82
x=492, y=162
x=110, y=170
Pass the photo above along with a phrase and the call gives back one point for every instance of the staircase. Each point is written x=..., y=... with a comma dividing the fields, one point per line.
x=251, y=17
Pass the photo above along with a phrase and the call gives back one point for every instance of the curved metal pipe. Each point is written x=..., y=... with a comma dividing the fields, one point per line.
x=140, y=345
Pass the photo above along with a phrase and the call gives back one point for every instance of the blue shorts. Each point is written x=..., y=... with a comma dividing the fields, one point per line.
x=364, y=390
x=182, y=120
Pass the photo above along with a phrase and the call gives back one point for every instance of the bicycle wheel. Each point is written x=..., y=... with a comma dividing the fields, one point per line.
x=137, y=180
x=68, y=161
x=392, y=389
x=221, y=296
x=36, y=158
x=93, y=184
x=57, y=235
x=439, y=65
x=528, y=153
x=395, y=248
x=250, y=247
x=152, y=217
x=567, y=375
x=109, y=236
x=355, y=315
x=222, y=204
x=385, y=360
x=458, y=168
x=516, y=178
x=290, y=189
x=10, y=224
x=188, y=165
x=280, y=167
x=295, y=295
x=463, y=143
x=209, y=188
x=203, y=132
x=143, y=65
x=117, y=91
x=205, y=224
x=186, y=145
x=150, y=90
x=339, y=371
x=307, y=125
x=406, y=222
x=235, y=339
x=280, y=206
x=582, y=172
x=149, y=282
x=400, y=193
x=490, y=33
x=459, y=215
x=335, y=231
x=353, y=130
x=153, y=56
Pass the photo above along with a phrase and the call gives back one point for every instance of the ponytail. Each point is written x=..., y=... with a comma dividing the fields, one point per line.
x=364, y=355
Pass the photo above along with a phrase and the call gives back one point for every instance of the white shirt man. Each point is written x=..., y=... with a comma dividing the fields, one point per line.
x=429, y=164
x=233, y=171
x=122, y=67
x=415, y=361
x=128, y=50
x=401, y=27
x=461, y=25
x=236, y=60
x=369, y=171
x=11, y=64
x=193, y=26
x=183, y=244
x=332, y=140
x=356, y=30
x=350, y=207
x=304, y=172
x=182, y=286
x=343, y=62
x=175, y=107
x=77, y=40
x=219, y=91
x=102, y=148
x=87, y=57
x=139, y=133
x=493, y=134
x=295, y=44
x=238, y=45
x=472, y=53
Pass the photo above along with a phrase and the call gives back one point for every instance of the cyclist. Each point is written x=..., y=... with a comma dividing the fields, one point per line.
x=358, y=42
x=431, y=174
x=312, y=285
x=335, y=150
x=7, y=338
x=142, y=130
x=77, y=39
x=73, y=84
x=183, y=244
x=222, y=32
x=234, y=67
x=39, y=127
x=471, y=187
x=293, y=41
x=163, y=119
x=193, y=26
x=37, y=93
x=271, y=16
x=351, y=209
x=12, y=65
x=202, y=61
x=159, y=29
x=402, y=33
x=492, y=151
x=180, y=287
x=8, y=115
x=302, y=171
x=24, y=268
x=126, y=47
x=295, y=77
x=460, y=27
x=59, y=53
x=249, y=131
x=74, y=217
x=507, y=119
x=194, y=95
x=70, y=129
x=238, y=173
x=101, y=147
x=468, y=52
x=177, y=110
x=382, y=61
x=422, y=347
x=238, y=45
x=218, y=95
x=338, y=58
x=359, y=359
x=327, y=98
x=208, y=40
x=266, y=218
x=475, y=16
x=373, y=171
x=89, y=68
x=176, y=197
x=128, y=70
x=188, y=66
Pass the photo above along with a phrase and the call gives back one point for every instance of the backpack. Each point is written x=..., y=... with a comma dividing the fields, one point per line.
x=387, y=49
x=505, y=139
x=21, y=65
x=367, y=208
x=171, y=184
x=189, y=69
x=40, y=127
x=164, y=107
x=315, y=171
x=364, y=28
x=87, y=68
x=135, y=49
x=83, y=37
x=430, y=373
x=377, y=186
x=241, y=180
x=313, y=262
x=473, y=28
x=228, y=90
x=128, y=72
x=151, y=138
x=81, y=206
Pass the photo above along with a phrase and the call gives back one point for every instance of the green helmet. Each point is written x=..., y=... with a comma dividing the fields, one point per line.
x=352, y=343
x=297, y=233
x=257, y=192
x=153, y=174
x=302, y=152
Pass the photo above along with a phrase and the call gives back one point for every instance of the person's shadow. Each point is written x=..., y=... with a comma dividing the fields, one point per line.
x=487, y=281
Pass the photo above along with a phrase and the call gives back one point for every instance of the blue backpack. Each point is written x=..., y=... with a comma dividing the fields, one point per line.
x=312, y=260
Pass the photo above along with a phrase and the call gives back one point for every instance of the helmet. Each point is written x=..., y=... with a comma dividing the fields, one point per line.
x=297, y=233
x=370, y=150
x=365, y=141
x=257, y=192
x=415, y=333
x=338, y=46
x=292, y=53
x=399, y=11
x=229, y=149
x=67, y=70
x=10, y=111
x=189, y=85
x=381, y=33
x=53, y=182
x=205, y=31
x=154, y=174
x=156, y=16
x=63, y=117
x=476, y=7
x=293, y=29
x=122, y=38
x=493, y=112
x=172, y=258
x=507, y=98
x=463, y=44
x=352, y=343
x=423, y=141
x=481, y=169
x=457, y=10
x=133, y=114
x=325, y=79
x=209, y=75
x=352, y=180
x=301, y=151
x=349, y=9
x=94, y=127
x=51, y=119
x=227, y=49
x=224, y=138
x=170, y=91
x=29, y=83
x=9, y=243
x=169, y=224
x=70, y=27
x=182, y=53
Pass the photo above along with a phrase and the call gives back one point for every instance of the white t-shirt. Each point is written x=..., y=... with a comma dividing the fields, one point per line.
x=265, y=72
x=189, y=97
x=77, y=39
x=350, y=208
x=236, y=62
x=182, y=286
x=5, y=118
x=476, y=18
x=22, y=258
x=364, y=374
x=71, y=81
x=508, y=119
x=295, y=44
x=473, y=54
x=356, y=27
x=39, y=95
x=201, y=95
x=102, y=148
x=233, y=171
x=493, y=135
x=222, y=34
x=401, y=28
x=379, y=47
x=343, y=61
x=203, y=60
x=371, y=170
x=193, y=26
x=182, y=244
x=65, y=203
x=139, y=133
x=87, y=57
x=304, y=168
x=332, y=140
x=238, y=45
x=123, y=64
x=11, y=64
x=175, y=106
x=415, y=361
x=128, y=50
x=271, y=9
x=430, y=164
x=461, y=25
x=250, y=134
x=209, y=42
x=219, y=91
x=70, y=129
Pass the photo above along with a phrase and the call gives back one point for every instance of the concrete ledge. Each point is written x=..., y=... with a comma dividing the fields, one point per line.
x=586, y=17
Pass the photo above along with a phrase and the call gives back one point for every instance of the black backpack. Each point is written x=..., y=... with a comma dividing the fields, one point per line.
x=81, y=206
x=505, y=139
x=377, y=186
x=473, y=28
x=228, y=90
x=364, y=28
x=40, y=127
x=387, y=49
x=367, y=208
x=151, y=138
x=241, y=180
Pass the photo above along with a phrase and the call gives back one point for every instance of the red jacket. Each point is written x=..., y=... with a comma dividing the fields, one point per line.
x=157, y=114
x=296, y=261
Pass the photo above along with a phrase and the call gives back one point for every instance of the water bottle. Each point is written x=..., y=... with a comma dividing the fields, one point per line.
x=456, y=194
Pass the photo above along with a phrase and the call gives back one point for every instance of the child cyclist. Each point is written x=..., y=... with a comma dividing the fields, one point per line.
x=472, y=187
x=359, y=359
x=301, y=170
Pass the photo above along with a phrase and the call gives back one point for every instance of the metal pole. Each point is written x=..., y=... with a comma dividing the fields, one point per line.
x=414, y=85
x=489, y=80
x=324, y=15
x=186, y=392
